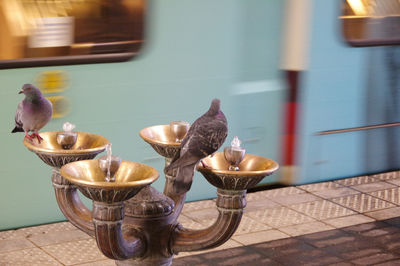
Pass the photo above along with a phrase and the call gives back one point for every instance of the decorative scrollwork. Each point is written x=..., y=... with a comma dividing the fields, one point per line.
x=149, y=203
x=231, y=182
x=59, y=160
x=108, y=195
x=165, y=151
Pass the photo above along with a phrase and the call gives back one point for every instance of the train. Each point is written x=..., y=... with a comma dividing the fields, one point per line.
x=298, y=82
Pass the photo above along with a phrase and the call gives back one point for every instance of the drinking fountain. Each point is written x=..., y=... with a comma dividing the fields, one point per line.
x=132, y=222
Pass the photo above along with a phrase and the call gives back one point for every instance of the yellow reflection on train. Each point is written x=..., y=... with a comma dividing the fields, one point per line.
x=52, y=81
x=55, y=82
x=61, y=106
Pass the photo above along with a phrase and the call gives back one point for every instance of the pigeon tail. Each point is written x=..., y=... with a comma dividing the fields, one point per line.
x=183, y=181
x=180, y=162
x=17, y=129
x=168, y=170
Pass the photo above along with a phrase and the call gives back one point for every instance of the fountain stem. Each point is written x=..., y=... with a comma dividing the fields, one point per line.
x=230, y=207
x=107, y=220
x=179, y=200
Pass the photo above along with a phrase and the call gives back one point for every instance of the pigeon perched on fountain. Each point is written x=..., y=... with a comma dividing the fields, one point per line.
x=33, y=113
x=205, y=136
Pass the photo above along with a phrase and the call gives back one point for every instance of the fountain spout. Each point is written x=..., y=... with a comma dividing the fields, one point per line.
x=234, y=154
x=179, y=129
x=67, y=138
x=109, y=164
x=111, y=240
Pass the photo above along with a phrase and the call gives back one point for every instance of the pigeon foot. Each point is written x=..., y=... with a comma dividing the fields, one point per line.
x=38, y=137
x=27, y=136
x=204, y=164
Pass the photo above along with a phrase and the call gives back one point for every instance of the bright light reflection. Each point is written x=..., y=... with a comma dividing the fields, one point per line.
x=358, y=7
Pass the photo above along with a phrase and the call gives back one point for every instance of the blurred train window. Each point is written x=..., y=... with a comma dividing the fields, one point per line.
x=371, y=22
x=56, y=32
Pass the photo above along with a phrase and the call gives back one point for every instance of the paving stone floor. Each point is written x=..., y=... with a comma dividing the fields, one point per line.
x=375, y=243
x=353, y=221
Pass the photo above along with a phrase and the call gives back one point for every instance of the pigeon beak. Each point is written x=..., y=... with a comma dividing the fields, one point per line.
x=21, y=91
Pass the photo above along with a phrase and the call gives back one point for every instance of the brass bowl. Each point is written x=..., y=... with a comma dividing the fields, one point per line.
x=90, y=179
x=162, y=139
x=87, y=146
x=253, y=169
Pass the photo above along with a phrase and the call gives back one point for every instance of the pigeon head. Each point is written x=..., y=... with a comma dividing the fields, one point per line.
x=30, y=91
x=214, y=108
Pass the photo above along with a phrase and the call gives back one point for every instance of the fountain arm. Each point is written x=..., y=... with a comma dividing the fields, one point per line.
x=70, y=204
x=230, y=206
x=179, y=199
x=111, y=240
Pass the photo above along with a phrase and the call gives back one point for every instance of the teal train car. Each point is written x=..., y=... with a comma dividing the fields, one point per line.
x=284, y=71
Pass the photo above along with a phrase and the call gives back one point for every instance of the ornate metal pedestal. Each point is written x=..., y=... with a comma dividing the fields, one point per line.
x=133, y=223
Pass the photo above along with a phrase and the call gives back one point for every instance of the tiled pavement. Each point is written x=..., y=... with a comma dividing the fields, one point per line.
x=374, y=243
x=354, y=221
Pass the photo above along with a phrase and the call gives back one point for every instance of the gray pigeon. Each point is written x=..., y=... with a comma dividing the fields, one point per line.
x=33, y=112
x=204, y=137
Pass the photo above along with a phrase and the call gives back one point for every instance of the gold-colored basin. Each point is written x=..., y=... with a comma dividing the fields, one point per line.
x=162, y=139
x=86, y=142
x=86, y=147
x=91, y=179
x=253, y=169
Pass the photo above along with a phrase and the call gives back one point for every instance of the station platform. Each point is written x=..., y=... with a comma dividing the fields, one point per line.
x=353, y=221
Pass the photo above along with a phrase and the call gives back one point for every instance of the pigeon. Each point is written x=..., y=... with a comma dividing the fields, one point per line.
x=33, y=112
x=204, y=137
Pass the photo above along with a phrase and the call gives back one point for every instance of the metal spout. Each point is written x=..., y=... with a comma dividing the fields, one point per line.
x=110, y=167
x=109, y=164
x=234, y=154
x=67, y=138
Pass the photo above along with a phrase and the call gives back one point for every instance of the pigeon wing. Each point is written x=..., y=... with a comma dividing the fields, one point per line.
x=208, y=137
x=205, y=139
x=18, y=122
